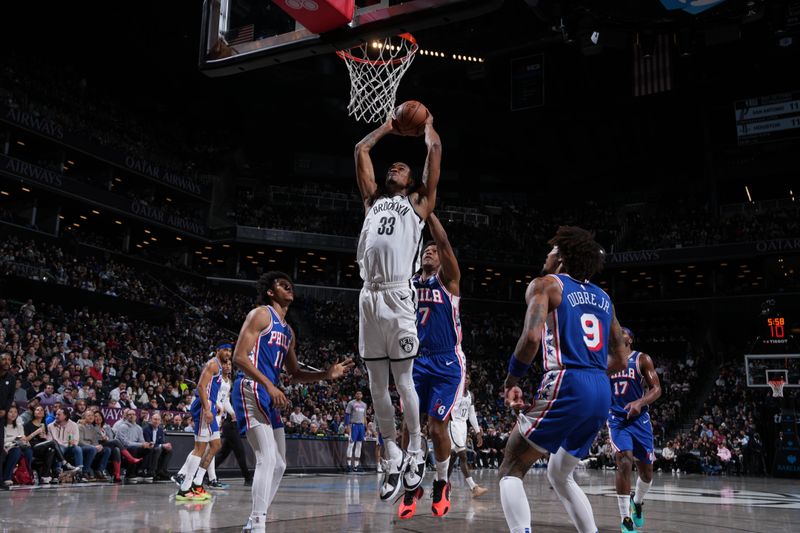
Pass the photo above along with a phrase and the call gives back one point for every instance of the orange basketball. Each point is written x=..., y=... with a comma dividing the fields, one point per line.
x=409, y=118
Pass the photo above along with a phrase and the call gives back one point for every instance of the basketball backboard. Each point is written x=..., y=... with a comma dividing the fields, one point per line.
x=761, y=368
x=243, y=35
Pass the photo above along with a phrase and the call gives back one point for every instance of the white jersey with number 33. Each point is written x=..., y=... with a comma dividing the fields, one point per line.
x=388, y=248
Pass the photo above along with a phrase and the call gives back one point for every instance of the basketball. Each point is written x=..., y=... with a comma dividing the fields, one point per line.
x=409, y=118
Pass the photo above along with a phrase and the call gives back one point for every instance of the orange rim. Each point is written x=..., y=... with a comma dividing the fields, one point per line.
x=345, y=54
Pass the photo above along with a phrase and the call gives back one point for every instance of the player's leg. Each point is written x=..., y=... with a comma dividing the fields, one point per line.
x=585, y=399
x=643, y=455
x=360, y=436
x=624, y=462
x=350, y=446
x=519, y=457
x=185, y=491
x=262, y=441
x=384, y=415
x=404, y=383
x=279, y=435
x=474, y=488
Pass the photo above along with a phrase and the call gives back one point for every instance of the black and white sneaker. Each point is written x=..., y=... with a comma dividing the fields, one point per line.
x=393, y=477
x=415, y=470
x=178, y=479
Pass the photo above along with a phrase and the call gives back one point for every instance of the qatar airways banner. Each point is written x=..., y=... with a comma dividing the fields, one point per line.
x=35, y=122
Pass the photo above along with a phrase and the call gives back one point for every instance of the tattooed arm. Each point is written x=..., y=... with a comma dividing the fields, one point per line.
x=542, y=295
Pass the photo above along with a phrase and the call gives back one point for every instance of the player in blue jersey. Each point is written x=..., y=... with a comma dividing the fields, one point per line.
x=574, y=322
x=206, y=430
x=265, y=347
x=439, y=370
x=631, y=431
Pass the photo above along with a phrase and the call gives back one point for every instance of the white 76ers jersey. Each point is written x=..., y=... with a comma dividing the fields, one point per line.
x=388, y=248
x=463, y=411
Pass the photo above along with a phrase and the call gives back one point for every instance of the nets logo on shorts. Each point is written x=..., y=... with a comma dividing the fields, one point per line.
x=407, y=344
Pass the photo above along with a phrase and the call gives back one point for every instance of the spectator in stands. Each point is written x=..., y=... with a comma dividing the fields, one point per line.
x=124, y=402
x=130, y=435
x=668, y=461
x=297, y=417
x=107, y=438
x=79, y=412
x=162, y=451
x=90, y=437
x=27, y=415
x=44, y=448
x=48, y=399
x=65, y=433
x=16, y=446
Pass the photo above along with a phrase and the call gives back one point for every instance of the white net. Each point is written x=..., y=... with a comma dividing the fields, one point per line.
x=376, y=69
x=777, y=387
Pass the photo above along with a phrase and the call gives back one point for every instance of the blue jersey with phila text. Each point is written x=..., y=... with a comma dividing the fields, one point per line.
x=627, y=386
x=576, y=333
x=269, y=352
x=438, y=318
x=212, y=389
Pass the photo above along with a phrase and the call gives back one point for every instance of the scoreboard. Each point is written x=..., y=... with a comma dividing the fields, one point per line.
x=768, y=118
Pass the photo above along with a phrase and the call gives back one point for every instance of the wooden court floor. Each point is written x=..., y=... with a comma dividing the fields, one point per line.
x=349, y=503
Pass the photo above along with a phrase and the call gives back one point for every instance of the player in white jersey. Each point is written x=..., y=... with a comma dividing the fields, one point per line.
x=463, y=411
x=388, y=255
x=224, y=410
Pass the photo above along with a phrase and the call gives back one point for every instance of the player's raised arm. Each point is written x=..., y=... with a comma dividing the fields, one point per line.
x=617, y=356
x=426, y=200
x=365, y=171
x=335, y=371
x=648, y=370
x=257, y=321
x=447, y=258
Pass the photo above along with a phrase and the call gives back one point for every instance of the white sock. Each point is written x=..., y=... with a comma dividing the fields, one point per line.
x=262, y=442
x=515, y=505
x=350, y=452
x=641, y=490
x=392, y=450
x=192, y=462
x=182, y=471
x=356, y=462
x=403, y=372
x=441, y=469
x=471, y=483
x=559, y=472
x=198, y=478
x=624, y=504
x=212, y=471
x=357, y=452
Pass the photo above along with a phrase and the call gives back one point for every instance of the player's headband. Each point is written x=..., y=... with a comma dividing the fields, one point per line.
x=629, y=333
x=225, y=346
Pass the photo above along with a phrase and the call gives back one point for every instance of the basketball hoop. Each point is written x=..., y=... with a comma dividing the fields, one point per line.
x=376, y=69
x=777, y=387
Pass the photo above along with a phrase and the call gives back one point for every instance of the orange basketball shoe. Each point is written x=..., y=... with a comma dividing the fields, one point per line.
x=441, y=498
x=408, y=507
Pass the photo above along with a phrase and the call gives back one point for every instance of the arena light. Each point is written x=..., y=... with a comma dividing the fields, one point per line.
x=271, y=260
x=118, y=222
x=260, y=252
x=198, y=252
x=5, y=193
x=226, y=245
x=206, y=247
x=178, y=238
x=95, y=212
x=747, y=190
x=84, y=217
x=26, y=189
x=20, y=143
x=147, y=231
x=323, y=258
x=169, y=199
x=70, y=162
x=279, y=250
x=153, y=239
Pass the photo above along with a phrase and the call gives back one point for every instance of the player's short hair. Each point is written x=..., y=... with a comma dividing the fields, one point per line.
x=581, y=255
x=425, y=246
x=629, y=333
x=267, y=282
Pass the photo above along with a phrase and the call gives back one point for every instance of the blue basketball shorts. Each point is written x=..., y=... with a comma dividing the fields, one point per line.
x=633, y=435
x=570, y=408
x=275, y=418
x=357, y=433
x=203, y=431
x=439, y=380
x=251, y=402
